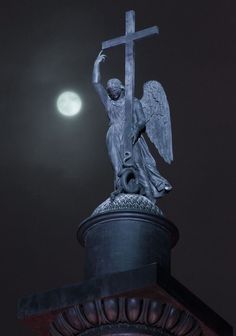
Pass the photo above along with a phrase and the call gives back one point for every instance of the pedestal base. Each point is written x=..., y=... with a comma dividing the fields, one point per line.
x=128, y=289
x=142, y=301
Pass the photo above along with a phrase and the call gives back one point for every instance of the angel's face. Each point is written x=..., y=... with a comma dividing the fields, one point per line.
x=114, y=92
x=114, y=88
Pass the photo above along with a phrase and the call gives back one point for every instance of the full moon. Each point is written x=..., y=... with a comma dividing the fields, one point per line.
x=69, y=103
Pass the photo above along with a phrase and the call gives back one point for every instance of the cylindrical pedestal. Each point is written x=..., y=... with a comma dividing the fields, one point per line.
x=124, y=240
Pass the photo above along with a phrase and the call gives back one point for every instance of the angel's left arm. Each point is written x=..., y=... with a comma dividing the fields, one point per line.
x=140, y=121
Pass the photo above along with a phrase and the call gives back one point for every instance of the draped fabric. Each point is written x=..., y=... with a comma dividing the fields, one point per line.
x=152, y=183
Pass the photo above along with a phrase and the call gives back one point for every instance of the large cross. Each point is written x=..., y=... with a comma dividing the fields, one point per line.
x=128, y=40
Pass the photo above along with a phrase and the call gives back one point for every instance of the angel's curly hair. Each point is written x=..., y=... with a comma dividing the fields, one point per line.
x=114, y=82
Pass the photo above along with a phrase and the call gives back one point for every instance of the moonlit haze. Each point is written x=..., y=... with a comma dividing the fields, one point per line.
x=69, y=103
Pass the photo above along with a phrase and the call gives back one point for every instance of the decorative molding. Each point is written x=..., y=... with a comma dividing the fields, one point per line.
x=135, y=315
x=128, y=202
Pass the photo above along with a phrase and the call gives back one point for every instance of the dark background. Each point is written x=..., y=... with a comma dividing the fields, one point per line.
x=55, y=170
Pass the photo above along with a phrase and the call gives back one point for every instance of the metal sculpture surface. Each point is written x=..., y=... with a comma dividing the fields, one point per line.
x=134, y=167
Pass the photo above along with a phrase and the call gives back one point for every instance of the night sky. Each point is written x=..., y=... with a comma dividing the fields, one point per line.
x=55, y=170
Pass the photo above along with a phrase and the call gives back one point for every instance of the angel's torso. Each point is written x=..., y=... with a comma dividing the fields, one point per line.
x=116, y=112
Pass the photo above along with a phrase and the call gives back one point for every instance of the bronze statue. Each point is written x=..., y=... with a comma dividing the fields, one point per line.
x=134, y=167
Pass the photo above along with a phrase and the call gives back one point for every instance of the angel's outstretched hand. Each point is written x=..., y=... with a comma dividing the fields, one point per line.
x=101, y=57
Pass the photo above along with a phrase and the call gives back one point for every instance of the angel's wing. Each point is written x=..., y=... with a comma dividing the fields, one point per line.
x=157, y=114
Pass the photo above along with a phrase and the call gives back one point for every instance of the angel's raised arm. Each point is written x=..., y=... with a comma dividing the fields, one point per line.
x=97, y=79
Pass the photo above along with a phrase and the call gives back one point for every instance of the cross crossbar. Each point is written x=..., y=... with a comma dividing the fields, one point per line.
x=130, y=37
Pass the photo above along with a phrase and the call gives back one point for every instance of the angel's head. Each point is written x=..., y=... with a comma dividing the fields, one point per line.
x=115, y=88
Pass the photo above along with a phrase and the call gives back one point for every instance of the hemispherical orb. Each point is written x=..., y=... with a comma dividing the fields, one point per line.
x=69, y=103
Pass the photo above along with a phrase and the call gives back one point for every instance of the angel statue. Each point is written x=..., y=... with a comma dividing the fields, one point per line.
x=150, y=115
